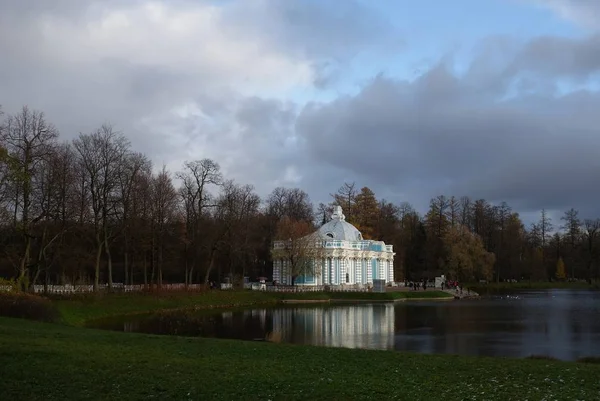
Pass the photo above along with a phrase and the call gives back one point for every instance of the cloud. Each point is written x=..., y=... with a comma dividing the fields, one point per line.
x=479, y=134
x=182, y=79
x=583, y=12
x=188, y=79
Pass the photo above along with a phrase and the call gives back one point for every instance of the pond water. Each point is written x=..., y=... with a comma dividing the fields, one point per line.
x=564, y=324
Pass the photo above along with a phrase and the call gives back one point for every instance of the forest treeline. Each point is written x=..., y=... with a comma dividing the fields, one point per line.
x=93, y=210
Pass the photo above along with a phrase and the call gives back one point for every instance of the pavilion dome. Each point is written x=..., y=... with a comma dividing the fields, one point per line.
x=338, y=228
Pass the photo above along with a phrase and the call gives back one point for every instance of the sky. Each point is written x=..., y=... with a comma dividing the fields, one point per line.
x=492, y=99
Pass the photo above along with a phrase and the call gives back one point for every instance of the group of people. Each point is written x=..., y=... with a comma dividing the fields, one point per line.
x=450, y=285
x=415, y=285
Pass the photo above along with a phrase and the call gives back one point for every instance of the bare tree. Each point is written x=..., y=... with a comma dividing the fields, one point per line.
x=545, y=226
x=54, y=192
x=132, y=166
x=237, y=207
x=502, y=215
x=197, y=177
x=572, y=227
x=100, y=156
x=591, y=233
x=346, y=198
x=323, y=214
x=29, y=141
x=164, y=206
x=439, y=209
x=466, y=212
x=453, y=212
x=291, y=202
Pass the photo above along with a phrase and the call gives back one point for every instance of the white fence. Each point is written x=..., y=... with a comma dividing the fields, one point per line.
x=117, y=287
x=120, y=287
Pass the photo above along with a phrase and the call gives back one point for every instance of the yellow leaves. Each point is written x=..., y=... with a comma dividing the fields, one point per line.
x=466, y=257
x=292, y=229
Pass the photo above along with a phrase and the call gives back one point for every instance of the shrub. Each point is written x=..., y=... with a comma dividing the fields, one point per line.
x=542, y=357
x=589, y=359
x=27, y=306
x=7, y=285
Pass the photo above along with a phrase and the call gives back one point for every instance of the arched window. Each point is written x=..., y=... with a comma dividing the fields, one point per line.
x=330, y=235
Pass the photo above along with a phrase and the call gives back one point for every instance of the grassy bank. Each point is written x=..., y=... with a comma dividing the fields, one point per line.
x=499, y=288
x=76, y=310
x=43, y=361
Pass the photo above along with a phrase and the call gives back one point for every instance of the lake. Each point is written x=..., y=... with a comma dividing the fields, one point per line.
x=563, y=324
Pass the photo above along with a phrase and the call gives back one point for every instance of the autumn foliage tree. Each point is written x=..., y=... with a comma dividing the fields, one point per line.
x=466, y=258
x=299, y=246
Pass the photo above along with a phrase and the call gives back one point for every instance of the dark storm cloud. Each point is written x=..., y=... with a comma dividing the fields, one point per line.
x=464, y=136
x=559, y=57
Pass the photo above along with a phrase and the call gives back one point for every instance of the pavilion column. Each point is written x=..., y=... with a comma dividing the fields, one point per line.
x=319, y=272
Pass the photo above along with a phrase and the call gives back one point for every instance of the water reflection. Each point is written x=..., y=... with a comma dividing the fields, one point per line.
x=363, y=326
x=560, y=323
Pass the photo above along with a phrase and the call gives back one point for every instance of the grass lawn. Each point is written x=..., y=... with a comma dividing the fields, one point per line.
x=77, y=309
x=44, y=361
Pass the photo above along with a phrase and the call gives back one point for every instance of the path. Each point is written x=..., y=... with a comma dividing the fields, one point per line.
x=454, y=293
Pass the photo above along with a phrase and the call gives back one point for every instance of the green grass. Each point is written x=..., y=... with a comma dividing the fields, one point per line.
x=390, y=296
x=499, y=288
x=43, y=361
x=77, y=310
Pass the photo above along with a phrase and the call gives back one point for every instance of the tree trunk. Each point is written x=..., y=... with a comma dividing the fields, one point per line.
x=22, y=280
x=160, y=264
x=40, y=259
x=99, y=245
x=186, y=274
x=211, y=265
x=185, y=261
x=108, y=262
x=125, y=265
x=145, y=270
x=45, y=281
x=131, y=269
x=194, y=261
x=191, y=277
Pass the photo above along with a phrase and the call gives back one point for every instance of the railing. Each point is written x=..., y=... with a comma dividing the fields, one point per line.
x=117, y=287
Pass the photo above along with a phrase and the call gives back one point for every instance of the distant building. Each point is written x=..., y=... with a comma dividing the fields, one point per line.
x=340, y=257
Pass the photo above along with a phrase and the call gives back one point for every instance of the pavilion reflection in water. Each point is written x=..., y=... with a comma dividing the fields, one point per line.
x=360, y=326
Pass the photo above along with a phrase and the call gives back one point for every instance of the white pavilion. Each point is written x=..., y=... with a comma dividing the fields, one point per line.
x=344, y=257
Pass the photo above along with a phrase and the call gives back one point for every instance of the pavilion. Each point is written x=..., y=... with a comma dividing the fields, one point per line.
x=339, y=256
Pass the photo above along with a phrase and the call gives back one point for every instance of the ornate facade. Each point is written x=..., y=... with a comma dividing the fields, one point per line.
x=341, y=257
